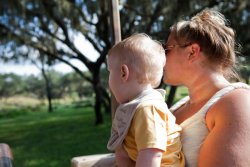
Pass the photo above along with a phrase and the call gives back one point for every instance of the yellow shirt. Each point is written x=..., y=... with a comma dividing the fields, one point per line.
x=154, y=127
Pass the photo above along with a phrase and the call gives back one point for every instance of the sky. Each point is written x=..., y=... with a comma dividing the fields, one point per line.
x=26, y=69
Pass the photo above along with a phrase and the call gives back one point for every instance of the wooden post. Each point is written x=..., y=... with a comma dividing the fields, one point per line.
x=116, y=36
x=115, y=21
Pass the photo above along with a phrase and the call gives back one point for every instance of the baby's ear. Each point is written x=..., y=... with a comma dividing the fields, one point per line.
x=124, y=72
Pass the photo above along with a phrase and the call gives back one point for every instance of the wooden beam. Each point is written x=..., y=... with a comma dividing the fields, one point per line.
x=116, y=36
x=115, y=21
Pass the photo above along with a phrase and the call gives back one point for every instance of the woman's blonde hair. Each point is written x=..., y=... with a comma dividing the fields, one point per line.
x=142, y=54
x=210, y=30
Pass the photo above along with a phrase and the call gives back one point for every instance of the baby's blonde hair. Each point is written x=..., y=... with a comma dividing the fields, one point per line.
x=142, y=54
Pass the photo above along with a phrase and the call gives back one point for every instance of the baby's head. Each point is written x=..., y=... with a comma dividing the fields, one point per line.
x=143, y=56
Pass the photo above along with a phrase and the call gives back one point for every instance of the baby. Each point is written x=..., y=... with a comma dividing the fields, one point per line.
x=144, y=132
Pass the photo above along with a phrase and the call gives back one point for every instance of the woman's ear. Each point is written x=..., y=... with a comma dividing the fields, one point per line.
x=194, y=52
x=124, y=72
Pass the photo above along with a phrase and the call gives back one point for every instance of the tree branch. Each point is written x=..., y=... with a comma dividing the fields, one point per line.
x=67, y=41
x=81, y=13
x=45, y=50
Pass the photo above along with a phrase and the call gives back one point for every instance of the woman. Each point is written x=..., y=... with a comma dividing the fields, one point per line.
x=215, y=117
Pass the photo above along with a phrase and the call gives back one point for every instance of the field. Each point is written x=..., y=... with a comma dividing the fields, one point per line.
x=41, y=139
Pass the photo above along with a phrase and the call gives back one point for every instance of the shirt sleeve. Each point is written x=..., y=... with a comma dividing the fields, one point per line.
x=150, y=128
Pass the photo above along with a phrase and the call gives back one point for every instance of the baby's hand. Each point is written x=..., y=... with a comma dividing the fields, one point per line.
x=150, y=157
x=122, y=158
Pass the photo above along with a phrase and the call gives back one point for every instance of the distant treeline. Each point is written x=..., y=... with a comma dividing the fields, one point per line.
x=68, y=85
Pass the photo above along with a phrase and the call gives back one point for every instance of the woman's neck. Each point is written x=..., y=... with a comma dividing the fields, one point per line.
x=204, y=87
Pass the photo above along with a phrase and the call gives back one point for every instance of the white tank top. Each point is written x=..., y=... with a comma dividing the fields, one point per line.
x=194, y=129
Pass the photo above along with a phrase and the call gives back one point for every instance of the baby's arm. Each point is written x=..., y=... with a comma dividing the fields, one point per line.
x=150, y=157
x=122, y=158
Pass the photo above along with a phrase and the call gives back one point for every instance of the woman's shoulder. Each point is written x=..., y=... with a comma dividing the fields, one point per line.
x=229, y=126
x=236, y=100
x=239, y=94
x=231, y=95
x=233, y=106
x=240, y=85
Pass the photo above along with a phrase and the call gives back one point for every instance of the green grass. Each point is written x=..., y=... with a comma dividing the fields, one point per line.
x=42, y=139
x=180, y=93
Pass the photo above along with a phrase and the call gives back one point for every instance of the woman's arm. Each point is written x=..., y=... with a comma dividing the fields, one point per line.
x=149, y=157
x=228, y=141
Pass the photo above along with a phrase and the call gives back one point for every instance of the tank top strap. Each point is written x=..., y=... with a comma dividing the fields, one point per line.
x=214, y=98
x=220, y=94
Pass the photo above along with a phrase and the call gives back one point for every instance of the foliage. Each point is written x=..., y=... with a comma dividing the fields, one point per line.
x=244, y=68
x=10, y=84
x=35, y=85
x=63, y=86
x=74, y=84
x=50, y=27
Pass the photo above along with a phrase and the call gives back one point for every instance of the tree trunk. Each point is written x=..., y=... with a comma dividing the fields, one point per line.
x=106, y=100
x=98, y=96
x=98, y=101
x=171, y=95
x=48, y=90
x=49, y=96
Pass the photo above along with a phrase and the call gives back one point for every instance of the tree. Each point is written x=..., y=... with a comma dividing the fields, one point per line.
x=10, y=85
x=244, y=68
x=50, y=27
x=42, y=66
